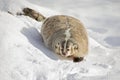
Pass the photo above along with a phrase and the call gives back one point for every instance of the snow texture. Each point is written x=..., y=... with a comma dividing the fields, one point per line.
x=23, y=55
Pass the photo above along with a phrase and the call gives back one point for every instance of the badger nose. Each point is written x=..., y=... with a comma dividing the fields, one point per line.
x=64, y=53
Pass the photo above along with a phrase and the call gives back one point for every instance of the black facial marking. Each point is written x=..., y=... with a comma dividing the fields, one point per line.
x=68, y=49
x=62, y=49
x=77, y=59
x=63, y=42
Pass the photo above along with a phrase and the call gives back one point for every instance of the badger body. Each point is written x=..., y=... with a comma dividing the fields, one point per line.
x=65, y=36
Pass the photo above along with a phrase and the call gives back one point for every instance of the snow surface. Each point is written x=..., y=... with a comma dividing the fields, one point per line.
x=23, y=55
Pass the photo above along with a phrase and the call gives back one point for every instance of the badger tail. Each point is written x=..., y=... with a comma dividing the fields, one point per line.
x=33, y=14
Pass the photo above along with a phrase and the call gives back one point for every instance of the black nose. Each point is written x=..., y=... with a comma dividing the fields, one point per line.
x=63, y=53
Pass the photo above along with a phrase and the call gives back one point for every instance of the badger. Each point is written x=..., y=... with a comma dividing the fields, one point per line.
x=64, y=35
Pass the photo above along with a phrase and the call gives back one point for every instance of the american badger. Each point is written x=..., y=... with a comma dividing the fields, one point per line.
x=65, y=36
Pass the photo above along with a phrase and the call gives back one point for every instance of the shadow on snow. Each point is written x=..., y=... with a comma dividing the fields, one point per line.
x=34, y=37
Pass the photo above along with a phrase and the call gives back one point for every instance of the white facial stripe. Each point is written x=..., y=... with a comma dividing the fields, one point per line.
x=65, y=46
x=68, y=35
x=67, y=32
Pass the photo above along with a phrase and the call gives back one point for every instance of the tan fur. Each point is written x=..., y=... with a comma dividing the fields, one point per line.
x=53, y=26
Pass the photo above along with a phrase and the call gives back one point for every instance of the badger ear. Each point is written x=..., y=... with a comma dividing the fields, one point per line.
x=56, y=45
x=75, y=47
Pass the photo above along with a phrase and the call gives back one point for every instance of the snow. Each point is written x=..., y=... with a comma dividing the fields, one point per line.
x=23, y=55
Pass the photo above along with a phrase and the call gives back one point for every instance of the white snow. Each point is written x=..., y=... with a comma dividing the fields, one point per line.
x=23, y=55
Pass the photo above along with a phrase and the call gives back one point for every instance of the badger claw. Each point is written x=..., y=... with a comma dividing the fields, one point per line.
x=77, y=59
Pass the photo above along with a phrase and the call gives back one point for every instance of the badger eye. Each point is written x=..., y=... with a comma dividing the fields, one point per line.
x=61, y=49
x=55, y=46
x=68, y=49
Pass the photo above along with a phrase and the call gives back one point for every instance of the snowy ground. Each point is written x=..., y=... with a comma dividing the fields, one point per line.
x=23, y=55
